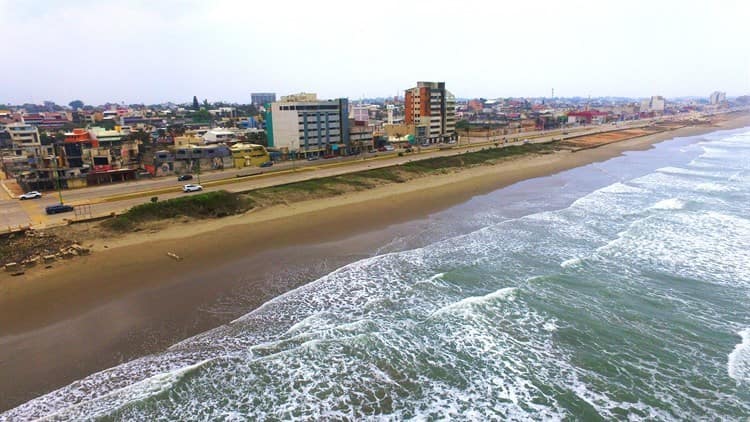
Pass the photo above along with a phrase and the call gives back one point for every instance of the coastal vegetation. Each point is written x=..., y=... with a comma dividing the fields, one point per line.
x=203, y=205
x=222, y=203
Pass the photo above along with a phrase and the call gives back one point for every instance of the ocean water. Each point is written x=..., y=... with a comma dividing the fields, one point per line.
x=618, y=290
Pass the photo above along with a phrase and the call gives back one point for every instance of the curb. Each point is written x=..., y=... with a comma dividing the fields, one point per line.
x=5, y=188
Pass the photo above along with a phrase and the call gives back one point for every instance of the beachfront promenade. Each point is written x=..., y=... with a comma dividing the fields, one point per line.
x=106, y=199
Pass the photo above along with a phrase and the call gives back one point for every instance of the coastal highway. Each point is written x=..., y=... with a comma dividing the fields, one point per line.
x=105, y=199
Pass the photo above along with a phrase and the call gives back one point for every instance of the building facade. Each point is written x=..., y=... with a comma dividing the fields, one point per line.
x=654, y=104
x=259, y=99
x=432, y=110
x=360, y=136
x=717, y=97
x=301, y=124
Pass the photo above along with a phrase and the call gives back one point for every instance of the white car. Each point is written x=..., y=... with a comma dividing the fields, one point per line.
x=192, y=188
x=30, y=195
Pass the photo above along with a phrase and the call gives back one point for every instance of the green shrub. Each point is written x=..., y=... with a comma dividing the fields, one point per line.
x=203, y=205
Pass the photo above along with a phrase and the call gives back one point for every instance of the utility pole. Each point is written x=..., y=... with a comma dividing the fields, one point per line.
x=198, y=171
x=57, y=175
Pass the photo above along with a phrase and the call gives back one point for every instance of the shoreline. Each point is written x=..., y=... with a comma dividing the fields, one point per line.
x=64, y=323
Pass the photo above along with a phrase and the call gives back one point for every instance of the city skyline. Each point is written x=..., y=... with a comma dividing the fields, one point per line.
x=170, y=51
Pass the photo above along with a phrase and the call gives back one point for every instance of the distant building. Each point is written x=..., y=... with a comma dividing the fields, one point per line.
x=587, y=117
x=360, y=136
x=190, y=159
x=27, y=151
x=475, y=105
x=109, y=138
x=359, y=113
x=717, y=97
x=217, y=136
x=249, y=155
x=302, y=96
x=432, y=110
x=23, y=135
x=76, y=142
x=305, y=125
x=653, y=104
x=259, y=99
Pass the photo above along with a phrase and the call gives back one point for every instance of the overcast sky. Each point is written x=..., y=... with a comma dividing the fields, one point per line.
x=163, y=50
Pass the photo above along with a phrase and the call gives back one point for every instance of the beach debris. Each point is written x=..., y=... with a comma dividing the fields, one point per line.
x=48, y=258
x=174, y=256
x=80, y=250
x=30, y=262
x=11, y=267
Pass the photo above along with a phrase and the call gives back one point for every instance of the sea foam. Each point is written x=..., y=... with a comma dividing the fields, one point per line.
x=738, y=365
x=669, y=204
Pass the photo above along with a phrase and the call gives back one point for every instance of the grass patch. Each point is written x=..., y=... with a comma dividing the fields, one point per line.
x=222, y=203
x=202, y=205
x=468, y=159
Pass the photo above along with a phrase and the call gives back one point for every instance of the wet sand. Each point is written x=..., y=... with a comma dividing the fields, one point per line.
x=129, y=299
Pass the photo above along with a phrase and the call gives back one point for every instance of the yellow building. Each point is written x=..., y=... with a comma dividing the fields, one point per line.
x=189, y=139
x=249, y=155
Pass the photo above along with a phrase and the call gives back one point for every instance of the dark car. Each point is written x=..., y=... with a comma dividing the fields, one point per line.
x=184, y=177
x=58, y=208
x=267, y=164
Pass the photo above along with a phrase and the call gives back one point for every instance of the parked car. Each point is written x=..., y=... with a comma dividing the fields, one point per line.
x=30, y=195
x=192, y=188
x=313, y=158
x=382, y=149
x=183, y=177
x=389, y=148
x=425, y=144
x=267, y=164
x=58, y=208
x=452, y=141
x=327, y=156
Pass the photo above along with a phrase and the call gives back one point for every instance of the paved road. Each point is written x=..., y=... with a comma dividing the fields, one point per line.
x=101, y=200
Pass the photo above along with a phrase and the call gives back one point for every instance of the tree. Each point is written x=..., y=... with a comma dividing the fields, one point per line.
x=196, y=106
x=45, y=138
x=201, y=116
x=139, y=135
x=76, y=104
x=257, y=138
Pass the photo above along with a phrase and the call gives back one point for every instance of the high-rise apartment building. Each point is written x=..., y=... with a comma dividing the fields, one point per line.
x=717, y=97
x=656, y=103
x=304, y=125
x=432, y=111
x=259, y=99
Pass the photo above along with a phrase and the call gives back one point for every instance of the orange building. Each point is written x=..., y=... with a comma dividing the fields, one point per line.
x=432, y=111
x=81, y=136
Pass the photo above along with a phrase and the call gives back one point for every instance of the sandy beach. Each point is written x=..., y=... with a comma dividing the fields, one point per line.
x=129, y=298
